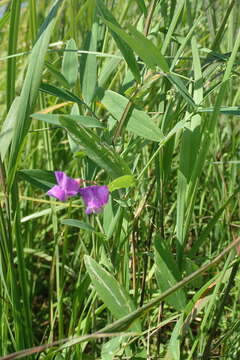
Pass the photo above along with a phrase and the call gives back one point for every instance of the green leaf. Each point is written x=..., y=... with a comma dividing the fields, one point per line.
x=57, y=74
x=139, y=122
x=142, y=6
x=228, y=110
x=110, y=291
x=55, y=119
x=173, y=352
x=8, y=128
x=148, y=52
x=75, y=148
x=70, y=63
x=42, y=179
x=30, y=91
x=4, y=19
x=121, y=182
x=174, y=20
x=198, y=79
x=191, y=139
x=78, y=224
x=98, y=152
x=126, y=51
x=189, y=266
x=60, y=93
x=181, y=88
x=167, y=274
x=113, y=348
x=109, y=66
x=88, y=66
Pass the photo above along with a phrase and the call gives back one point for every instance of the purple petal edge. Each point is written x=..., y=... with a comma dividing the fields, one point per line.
x=58, y=193
x=94, y=197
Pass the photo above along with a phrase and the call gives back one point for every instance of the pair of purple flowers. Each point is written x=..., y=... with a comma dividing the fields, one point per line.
x=94, y=197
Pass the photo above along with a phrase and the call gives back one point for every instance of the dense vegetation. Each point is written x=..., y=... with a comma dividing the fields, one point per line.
x=140, y=96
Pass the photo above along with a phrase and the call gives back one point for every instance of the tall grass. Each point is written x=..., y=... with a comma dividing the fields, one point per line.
x=141, y=96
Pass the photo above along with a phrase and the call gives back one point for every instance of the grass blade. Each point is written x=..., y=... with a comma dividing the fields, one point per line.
x=126, y=51
x=29, y=92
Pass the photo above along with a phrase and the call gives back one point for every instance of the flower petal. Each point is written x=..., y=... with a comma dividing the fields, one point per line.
x=69, y=185
x=57, y=192
x=93, y=209
x=103, y=194
x=61, y=178
x=94, y=197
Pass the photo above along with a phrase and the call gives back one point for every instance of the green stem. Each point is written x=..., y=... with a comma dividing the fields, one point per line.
x=149, y=17
x=33, y=19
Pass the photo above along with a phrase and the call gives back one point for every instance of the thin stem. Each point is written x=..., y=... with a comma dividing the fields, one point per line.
x=149, y=17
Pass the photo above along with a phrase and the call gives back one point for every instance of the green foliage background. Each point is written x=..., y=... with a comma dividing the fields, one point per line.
x=141, y=95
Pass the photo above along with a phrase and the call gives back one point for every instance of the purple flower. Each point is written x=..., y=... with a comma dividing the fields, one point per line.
x=94, y=197
x=66, y=187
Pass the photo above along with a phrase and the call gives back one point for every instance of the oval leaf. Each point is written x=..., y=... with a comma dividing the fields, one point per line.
x=78, y=224
x=110, y=291
x=121, y=182
x=139, y=122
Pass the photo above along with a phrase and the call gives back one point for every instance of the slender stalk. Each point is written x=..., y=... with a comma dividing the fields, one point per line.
x=33, y=19
x=149, y=17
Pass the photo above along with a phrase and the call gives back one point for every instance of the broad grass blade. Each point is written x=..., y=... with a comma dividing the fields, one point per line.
x=79, y=224
x=55, y=119
x=42, y=179
x=88, y=65
x=70, y=63
x=8, y=128
x=61, y=93
x=30, y=90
